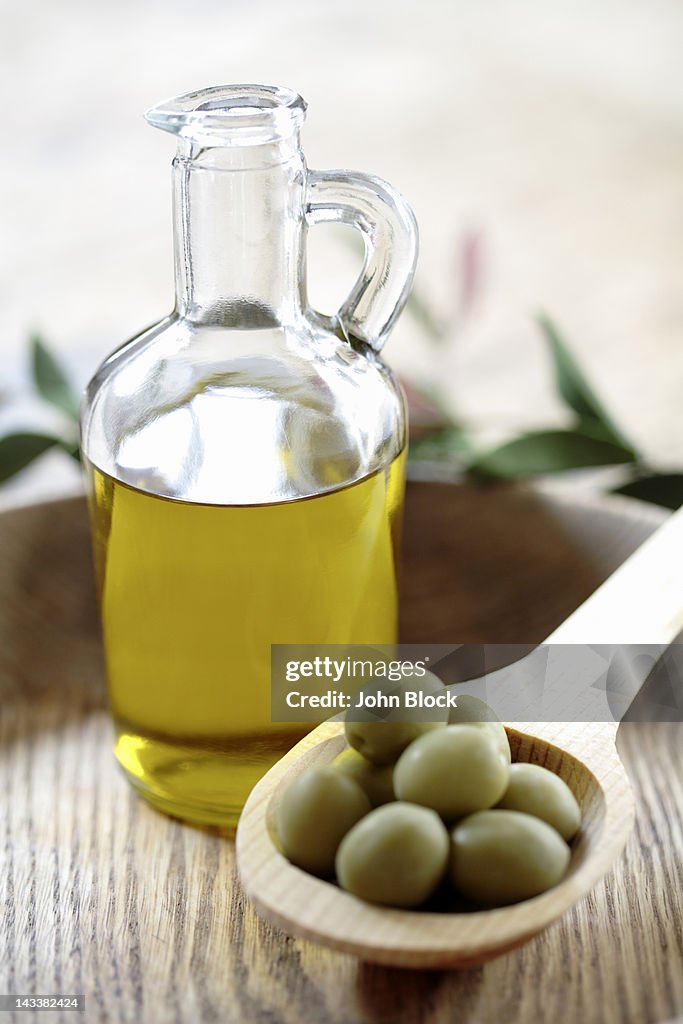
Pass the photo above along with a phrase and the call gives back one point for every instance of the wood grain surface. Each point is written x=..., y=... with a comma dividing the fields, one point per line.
x=104, y=896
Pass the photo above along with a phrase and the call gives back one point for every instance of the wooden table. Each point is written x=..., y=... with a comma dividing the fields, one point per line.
x=103, y=896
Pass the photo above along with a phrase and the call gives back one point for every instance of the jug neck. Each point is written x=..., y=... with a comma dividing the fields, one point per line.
x=238, y=232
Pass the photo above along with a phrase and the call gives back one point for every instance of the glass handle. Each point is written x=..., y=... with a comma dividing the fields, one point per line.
x=389, y=230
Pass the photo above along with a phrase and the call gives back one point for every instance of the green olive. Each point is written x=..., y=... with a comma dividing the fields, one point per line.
x=382, y=742
x=497, y=730
x=473, y=711
x=455, y=771
x=375, y=780
x=500, y=857
x=537, y=791
x=316, y=811
x=396, y=856
x=381, y=735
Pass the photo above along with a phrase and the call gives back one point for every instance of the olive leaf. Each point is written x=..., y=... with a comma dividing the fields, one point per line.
x=549, y=451
x=441, y=445
x=51, y=381
x=658, y=488
x=18, y=450
x=573, y=387
x=71, y=448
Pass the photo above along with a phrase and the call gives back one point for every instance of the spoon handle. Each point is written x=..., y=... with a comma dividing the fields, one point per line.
x=642, y=602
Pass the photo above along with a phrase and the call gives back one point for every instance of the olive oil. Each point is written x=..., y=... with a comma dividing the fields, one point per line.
x=193, y=595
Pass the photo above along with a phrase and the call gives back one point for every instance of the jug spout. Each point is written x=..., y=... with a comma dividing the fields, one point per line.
x=231, y=115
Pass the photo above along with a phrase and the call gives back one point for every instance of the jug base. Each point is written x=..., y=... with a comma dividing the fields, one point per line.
x=198, y=782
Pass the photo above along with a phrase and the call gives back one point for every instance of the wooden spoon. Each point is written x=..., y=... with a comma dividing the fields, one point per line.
x=641, y=602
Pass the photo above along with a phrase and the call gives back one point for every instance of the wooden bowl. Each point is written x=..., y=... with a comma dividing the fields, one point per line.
x=103, y=895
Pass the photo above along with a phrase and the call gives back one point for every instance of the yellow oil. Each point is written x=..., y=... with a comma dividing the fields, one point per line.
x=192, y=596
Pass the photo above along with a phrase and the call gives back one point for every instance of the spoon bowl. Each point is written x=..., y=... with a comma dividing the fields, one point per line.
x=583, y=754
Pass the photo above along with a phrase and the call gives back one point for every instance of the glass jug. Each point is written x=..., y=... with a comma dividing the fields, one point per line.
x=245, y=455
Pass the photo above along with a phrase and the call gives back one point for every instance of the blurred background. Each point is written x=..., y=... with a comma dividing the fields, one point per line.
x=541, y=146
